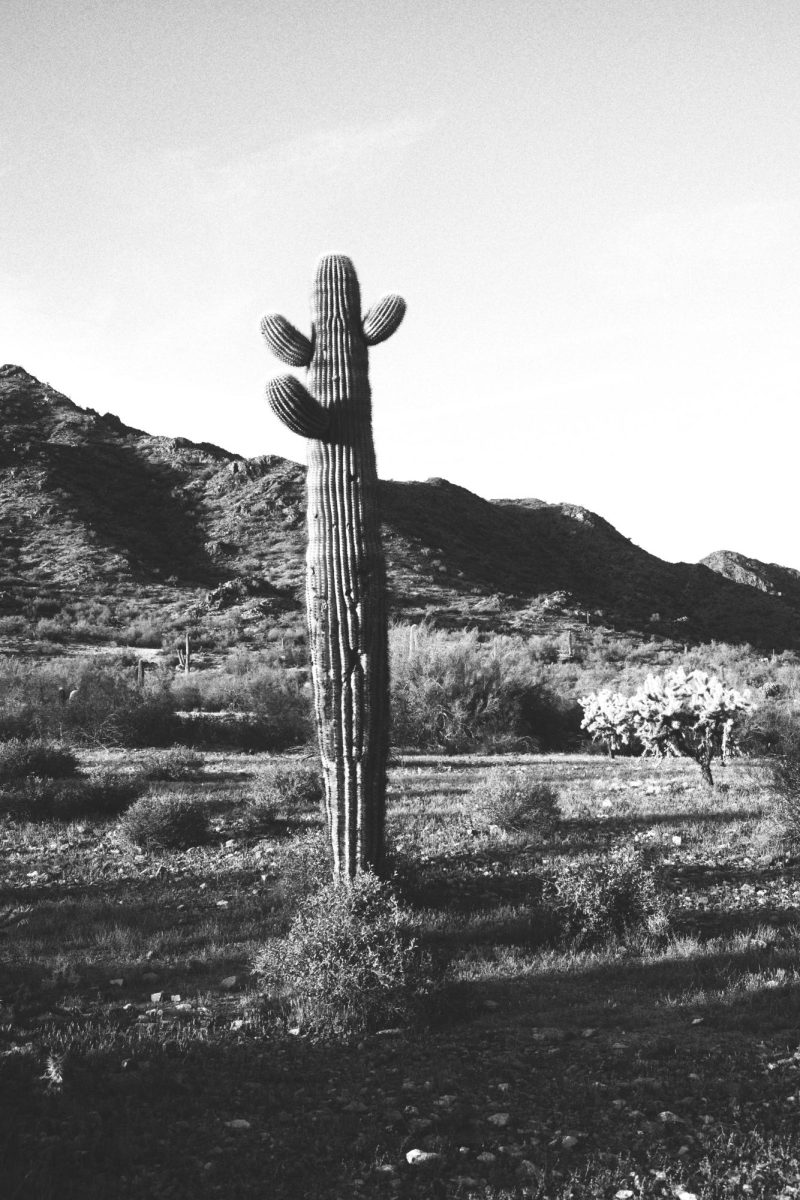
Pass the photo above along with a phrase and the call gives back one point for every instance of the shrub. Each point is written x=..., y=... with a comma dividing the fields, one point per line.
x=785, y=772
x=453, y=692
x=348, y=963
x=295, y=784
x=102, y=794
x=109, y=709
x=172, y=765
x=302, y=866
x=516, y=801
x=592, y=901
x=166, y=821
x=19, y=758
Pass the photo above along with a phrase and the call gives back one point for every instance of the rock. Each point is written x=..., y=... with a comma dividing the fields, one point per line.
x=422, y=1158
x=500, y=1119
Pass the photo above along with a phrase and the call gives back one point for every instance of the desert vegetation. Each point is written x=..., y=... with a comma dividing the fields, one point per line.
x=578, y=979
x=576, y=976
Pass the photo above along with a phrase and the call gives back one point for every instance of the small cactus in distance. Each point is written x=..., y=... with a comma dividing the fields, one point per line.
x=345, y=567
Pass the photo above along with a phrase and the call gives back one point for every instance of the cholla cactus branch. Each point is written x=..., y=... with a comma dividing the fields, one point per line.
x=346, y=574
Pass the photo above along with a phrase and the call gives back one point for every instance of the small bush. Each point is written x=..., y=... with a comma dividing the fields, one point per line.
x=785, y=771
x=165, y=821
x=302, y=866
x=592, y=902
x=292, y=784
x=348, y=963
x=517, y=802
x=102, y=794
x=49, y=760
x=280, y=791
x=172, y=765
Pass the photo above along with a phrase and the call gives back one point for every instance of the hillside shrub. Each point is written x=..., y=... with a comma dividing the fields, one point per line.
x=37, y=756
x=348, y=964
x=592, y=901
x=516, y=802
x=166, y=821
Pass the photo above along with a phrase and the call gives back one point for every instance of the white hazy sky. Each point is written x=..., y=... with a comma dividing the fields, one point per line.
x=592, y=208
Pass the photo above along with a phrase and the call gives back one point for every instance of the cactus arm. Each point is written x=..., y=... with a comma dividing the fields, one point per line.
x=286, y=343
x=383, y=319
x=291, y=401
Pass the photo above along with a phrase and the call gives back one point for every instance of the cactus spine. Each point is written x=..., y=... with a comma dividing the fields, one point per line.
x=345, y=568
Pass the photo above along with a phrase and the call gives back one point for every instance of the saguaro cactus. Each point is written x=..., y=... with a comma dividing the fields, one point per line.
x=345, y=569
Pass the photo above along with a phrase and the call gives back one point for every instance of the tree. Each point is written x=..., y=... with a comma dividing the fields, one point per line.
x=692, y=714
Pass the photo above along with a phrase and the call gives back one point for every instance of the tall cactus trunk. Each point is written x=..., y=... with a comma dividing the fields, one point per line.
x=346, y=575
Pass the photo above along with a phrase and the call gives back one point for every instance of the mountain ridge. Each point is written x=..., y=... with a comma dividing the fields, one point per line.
x=90, y=503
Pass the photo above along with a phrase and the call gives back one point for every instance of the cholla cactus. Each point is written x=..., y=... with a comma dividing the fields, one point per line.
x=692, y=714
x=678, y=713
x=345, y=576
x=607, y=717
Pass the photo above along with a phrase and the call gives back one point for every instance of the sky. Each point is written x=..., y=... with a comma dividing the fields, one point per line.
x=591, y=207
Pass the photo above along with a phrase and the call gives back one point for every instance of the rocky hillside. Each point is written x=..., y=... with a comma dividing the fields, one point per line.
x=105, y=524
